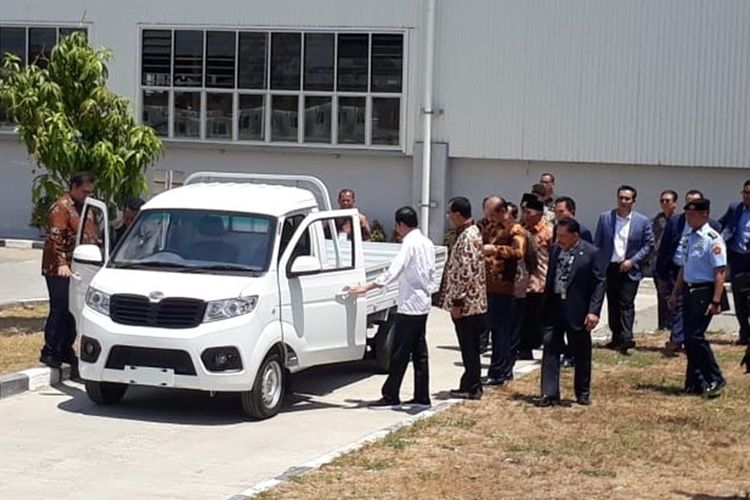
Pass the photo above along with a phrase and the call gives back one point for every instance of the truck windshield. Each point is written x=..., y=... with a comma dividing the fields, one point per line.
x=197, y=241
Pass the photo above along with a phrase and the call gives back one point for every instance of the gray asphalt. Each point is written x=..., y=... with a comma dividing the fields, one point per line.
x=21, y=274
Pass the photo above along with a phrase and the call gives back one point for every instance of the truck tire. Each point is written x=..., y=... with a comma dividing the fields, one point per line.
x=267, y=395
x=384, y=344
x=105, y=393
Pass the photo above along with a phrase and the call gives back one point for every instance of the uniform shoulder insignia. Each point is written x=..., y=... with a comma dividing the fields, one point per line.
x=713, y=234
x=716, y=249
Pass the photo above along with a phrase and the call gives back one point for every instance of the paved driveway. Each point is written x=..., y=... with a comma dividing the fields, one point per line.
x=21, y=272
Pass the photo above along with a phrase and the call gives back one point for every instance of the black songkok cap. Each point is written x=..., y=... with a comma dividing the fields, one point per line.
x=699, y=205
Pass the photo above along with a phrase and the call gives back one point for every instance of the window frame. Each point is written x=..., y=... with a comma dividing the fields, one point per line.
x=267, y=92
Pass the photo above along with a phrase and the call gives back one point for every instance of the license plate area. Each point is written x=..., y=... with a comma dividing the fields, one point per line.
x=146, y=375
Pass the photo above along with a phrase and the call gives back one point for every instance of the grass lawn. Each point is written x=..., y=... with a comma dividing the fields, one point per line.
x=21, y=337
x=640, y=438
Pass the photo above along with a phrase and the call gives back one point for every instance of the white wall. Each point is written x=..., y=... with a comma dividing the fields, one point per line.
x=15, y=190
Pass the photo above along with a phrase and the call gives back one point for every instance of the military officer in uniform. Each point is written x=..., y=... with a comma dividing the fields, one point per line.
x=703, y=259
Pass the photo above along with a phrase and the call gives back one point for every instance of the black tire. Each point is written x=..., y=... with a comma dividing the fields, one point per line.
x=105, y=393
x=384, y=344
x=254, y=404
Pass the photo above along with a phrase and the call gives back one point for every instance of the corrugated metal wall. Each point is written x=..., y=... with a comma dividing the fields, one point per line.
x=600, y=81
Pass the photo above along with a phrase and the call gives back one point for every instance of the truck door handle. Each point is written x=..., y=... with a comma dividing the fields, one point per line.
x=343, y=294
x=76, y=277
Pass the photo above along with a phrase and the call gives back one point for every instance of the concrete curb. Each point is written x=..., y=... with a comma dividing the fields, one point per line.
x=317, y=463
x=11, y=243
x=31, y=380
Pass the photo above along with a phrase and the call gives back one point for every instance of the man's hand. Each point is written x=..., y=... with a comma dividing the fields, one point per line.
x=713, y=309
x=456, y=312
x=672, y=302
x=626, y=266
x=489, y=250
x=591, y=321
x=361, y=289
x=64, y=272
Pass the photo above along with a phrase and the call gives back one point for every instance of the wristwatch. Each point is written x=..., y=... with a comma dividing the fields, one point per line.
x=716, y=302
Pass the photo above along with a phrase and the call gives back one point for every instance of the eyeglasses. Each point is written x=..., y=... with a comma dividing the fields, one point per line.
x=665, y=200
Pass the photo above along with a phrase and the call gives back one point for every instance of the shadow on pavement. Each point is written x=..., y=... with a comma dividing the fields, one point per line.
x=703, y=496
x=667, y=390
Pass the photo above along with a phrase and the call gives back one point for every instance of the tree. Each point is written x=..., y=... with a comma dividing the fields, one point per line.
x=70, y=121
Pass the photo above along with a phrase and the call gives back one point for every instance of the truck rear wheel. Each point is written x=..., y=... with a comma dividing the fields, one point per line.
x=267, y=395
x=384, y=344
x=105, y=393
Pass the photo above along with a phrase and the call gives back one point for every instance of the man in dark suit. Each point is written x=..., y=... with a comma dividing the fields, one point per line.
x=735, y=225
x=625, y=240
x=565, y=206
x=574, y=294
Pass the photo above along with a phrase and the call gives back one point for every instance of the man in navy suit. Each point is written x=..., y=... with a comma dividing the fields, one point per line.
x=565, y=206
x=735, y=225
x=625, y=241
x=573, y=297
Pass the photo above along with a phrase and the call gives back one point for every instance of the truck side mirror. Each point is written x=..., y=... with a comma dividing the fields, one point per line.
x=305, y=264
x=88, y=254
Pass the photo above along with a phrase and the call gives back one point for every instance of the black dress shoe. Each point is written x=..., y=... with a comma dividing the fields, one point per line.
x=623, y=348
x=713, y=390
x=583, y=400
x=525, y=356
x=415, y=402
x=612, y=345
x=693, y=390
x=466, y=395
x=492, y=381
x=50, y=361
x=547, y=401
x=383, y=402
x=746, y=361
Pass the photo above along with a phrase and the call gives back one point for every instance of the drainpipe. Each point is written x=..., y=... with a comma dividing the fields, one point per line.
x=427, y=117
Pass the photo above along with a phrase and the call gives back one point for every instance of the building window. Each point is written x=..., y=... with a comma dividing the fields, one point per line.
x=33, y=45
x=274, y=87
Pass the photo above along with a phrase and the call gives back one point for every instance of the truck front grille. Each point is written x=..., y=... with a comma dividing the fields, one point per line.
x=121, y=356
x=137, y=310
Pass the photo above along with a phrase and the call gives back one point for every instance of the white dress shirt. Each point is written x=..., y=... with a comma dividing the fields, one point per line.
x=414, y=267
x=622, y=232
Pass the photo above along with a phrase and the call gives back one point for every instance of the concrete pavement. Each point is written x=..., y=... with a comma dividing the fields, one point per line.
x=21, y=271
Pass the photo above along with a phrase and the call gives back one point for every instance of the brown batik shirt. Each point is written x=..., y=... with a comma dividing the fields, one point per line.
x=464, y=283
x=507, y=245
x=62, y=227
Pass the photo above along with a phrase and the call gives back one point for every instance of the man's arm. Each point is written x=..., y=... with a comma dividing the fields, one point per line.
x=599, y=232
x=647, y=243
x=391, y=274
x=513, y=251
x=58, y=220
x=724, y=219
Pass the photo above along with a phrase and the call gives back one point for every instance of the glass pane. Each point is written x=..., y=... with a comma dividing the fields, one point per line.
x=188, y=58
x=252, y=60
x=318, y=119
x=219, y=116
x=284, y=118
x=252, y=118
x=156, y=58
x=351, y=120
x=41, y=42
x=155, y=111
x=352, y=63
x=187, y=114
x=387, y=62
x=318, y=61
x=385, y=120
x=69, y=31
x=285, y=60
x=220, y=47
x=13, y=41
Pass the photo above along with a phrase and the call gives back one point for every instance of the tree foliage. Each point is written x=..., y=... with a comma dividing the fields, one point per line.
x=70, y=121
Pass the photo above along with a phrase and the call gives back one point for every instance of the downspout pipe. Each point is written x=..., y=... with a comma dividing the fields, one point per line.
x=427, y=117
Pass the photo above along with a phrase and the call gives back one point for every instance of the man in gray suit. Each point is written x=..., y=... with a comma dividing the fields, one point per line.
x=625, y=240
x=573, y=298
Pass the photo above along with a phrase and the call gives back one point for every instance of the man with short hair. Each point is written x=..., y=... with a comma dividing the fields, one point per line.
x=668, y=204
x=129, y=212
x=703, y=269
x=540, y=192
x=565, y=206
x=504, y=244
x=465, y=294
x=548, y=181
x=62, y=227
x=735, y=224
x=624, y=239
x=574, y=294
x=414, y=268
x=346, y=201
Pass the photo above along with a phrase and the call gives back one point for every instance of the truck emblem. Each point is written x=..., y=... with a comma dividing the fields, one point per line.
x=155, y=296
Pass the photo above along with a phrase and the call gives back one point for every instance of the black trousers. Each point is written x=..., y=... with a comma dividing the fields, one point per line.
x=621, y=291
x=739, y=264
x=60, y=328
x=702, y=368
x=469, y=330
x=409, y=343
x=579, y=341
x=531, y=325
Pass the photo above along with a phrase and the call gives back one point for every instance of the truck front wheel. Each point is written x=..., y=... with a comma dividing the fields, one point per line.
x=105, y=393
x=267, y=395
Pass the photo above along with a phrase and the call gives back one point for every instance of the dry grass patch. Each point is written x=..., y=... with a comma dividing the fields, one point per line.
x=21, y=337
x=640, y=439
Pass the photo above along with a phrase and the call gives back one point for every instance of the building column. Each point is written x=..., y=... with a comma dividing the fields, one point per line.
x=438, y=187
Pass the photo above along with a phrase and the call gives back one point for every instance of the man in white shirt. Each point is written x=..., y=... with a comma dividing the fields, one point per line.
x=625, y=240
x=414, y=267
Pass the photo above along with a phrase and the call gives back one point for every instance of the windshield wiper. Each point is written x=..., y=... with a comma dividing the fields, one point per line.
x=144, y=265
x=230, y=267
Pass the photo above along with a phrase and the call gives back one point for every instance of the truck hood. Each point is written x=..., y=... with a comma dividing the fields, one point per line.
x=170, y=284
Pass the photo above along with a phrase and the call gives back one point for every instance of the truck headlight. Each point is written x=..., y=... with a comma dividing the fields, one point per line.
x=229, y=308
x=97, y=300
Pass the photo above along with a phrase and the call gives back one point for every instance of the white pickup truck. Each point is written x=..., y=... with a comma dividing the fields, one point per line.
x=229, y=283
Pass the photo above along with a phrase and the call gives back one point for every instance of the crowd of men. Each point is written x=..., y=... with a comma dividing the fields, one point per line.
x=532, y=276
